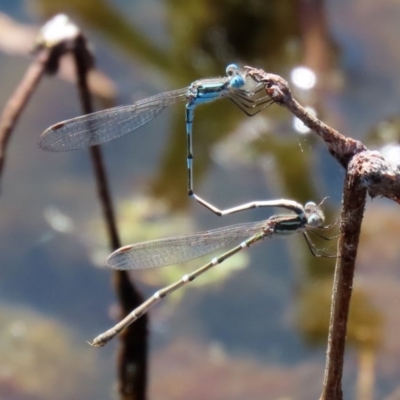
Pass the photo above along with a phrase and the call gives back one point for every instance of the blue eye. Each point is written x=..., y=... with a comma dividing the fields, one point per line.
x=232, y=69
x=237, y=81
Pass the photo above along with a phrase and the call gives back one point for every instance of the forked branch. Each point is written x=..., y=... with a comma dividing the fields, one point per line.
x=366, y=172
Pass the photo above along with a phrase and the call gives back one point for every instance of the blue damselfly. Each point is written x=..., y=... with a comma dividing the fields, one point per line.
x=103, y=126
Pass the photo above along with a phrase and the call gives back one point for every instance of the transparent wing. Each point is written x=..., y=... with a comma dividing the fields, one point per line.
x=178, y=249
x=103, y=126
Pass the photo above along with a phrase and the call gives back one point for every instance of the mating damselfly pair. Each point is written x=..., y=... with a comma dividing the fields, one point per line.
x=93, y=129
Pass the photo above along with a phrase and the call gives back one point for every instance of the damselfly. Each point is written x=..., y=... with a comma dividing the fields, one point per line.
x=103, y=126
x=175, y=250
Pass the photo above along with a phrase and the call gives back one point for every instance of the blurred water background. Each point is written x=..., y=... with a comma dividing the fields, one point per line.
x=255, y=328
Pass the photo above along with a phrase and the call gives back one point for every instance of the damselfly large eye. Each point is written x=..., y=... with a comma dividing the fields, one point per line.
x=237, y=81
x=315, y=219
x=315, y=216
x=310, y=205
x=232, y=69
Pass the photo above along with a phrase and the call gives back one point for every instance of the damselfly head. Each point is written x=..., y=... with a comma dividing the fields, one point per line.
x=236, y=79
x=232, y=69
x=314, y=214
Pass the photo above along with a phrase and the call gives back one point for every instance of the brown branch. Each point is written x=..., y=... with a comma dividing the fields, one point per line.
x=19, y=99
x=58, y=37
x=380, y=177
x=353, y=204
x=366, y=172
x=339, y=145
x=132, y=360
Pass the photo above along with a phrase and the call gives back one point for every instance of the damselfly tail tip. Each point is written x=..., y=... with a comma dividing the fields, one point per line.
x=95, y=343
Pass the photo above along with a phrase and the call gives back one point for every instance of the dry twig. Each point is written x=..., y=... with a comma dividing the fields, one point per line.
x=366, y=172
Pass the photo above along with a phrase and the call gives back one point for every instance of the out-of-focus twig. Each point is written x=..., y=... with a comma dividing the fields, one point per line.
x=18, y=100
x=133, y=352
x=18, y=39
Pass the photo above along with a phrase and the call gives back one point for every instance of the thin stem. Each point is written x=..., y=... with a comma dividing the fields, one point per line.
x=132, y=360
x=343, y=148
x=19, y=99
x=353, y=204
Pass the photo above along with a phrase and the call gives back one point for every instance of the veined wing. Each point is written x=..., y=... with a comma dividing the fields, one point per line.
x=103, y=126
x=178, y=249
